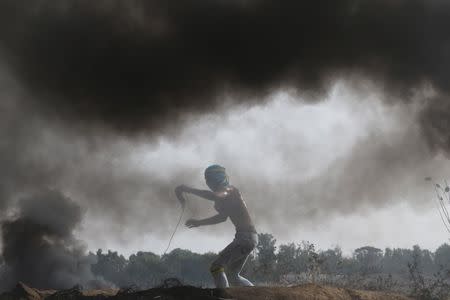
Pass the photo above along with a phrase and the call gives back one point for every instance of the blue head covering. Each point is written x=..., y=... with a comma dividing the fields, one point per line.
x=216, y=177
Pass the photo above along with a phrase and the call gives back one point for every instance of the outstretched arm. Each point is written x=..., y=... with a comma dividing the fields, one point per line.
x=205, y=194
x=219, y=218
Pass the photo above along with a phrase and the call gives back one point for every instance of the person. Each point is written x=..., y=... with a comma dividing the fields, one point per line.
x=229, y=204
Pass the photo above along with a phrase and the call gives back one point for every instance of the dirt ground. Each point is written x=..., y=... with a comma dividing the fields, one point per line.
x=310, y=291
x=301, y=292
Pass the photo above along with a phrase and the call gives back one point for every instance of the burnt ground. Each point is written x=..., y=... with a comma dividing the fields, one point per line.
x=300, y=292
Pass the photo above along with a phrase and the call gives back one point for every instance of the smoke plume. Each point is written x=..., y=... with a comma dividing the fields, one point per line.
x=39, y=247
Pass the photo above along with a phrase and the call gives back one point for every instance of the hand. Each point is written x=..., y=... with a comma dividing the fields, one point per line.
x=179, y=193
x=181, y=189
x=191, y=223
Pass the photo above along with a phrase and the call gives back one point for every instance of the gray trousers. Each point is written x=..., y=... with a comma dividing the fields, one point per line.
x=232, y=259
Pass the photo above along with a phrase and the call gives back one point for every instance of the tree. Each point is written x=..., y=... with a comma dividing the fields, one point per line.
x=192, y=268
x=266, y=255
x=332, y=261
x=145, y=269
x=442, y=257
x=369, y=259
x=111, y=266
x=286, y=258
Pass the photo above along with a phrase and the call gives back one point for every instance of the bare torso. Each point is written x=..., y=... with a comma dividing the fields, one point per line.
x=235, y=208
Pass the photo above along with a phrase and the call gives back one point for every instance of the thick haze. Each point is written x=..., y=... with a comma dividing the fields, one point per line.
x=326, y=108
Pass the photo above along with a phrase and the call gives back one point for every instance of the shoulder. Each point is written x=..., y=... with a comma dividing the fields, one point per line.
x=227, y=196
x=234, y=192
x=228, y=192
x=230, y=196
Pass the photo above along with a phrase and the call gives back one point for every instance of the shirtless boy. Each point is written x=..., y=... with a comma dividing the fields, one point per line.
x=229, y=204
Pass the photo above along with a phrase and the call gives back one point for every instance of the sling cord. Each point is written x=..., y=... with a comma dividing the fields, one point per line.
x=176, y=227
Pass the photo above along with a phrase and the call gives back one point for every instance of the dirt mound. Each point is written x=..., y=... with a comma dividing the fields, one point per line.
x=301, y=292
x=310, y=292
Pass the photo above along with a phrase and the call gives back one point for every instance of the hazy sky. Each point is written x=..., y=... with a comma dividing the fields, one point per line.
x=275, y=153
x=348, y=170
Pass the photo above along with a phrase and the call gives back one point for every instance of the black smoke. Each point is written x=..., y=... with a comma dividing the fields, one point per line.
x=142, y=65
x=87, y=73
x=39, y=246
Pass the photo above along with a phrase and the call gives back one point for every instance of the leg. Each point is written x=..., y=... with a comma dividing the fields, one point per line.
x=218, y=266
x=218, y=274
x=234, y=270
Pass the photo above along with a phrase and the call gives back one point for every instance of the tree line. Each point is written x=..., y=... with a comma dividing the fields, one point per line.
x=270, y=264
